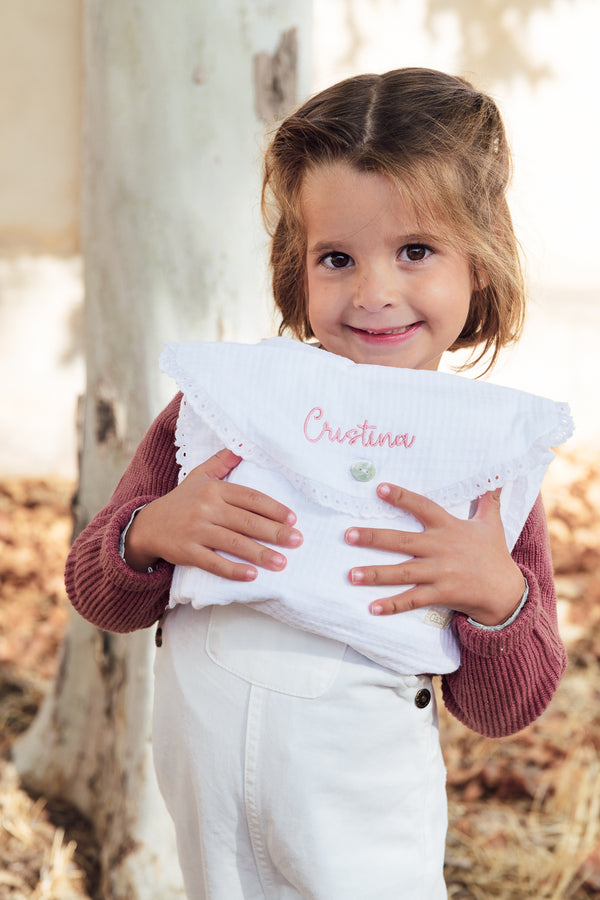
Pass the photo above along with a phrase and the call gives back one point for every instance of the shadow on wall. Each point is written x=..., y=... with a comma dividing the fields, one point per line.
x=490, y=36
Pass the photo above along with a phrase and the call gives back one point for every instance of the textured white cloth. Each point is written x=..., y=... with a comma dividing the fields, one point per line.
x=302, y=419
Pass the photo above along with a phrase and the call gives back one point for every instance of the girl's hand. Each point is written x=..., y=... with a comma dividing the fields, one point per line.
x=205, y=514
x=463, y=565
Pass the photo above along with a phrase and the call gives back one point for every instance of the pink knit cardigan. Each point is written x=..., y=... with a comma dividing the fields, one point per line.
x=506, y=678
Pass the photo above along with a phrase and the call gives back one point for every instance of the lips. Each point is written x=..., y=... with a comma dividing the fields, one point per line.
x=402, y=330
x=385, y=332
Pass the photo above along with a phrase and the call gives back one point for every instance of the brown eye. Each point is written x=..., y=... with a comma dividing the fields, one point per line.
x=415, y=252
x=336, y=260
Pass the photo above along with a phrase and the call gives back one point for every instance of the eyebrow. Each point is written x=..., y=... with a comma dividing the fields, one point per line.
x=401, y=240
x=321, y=246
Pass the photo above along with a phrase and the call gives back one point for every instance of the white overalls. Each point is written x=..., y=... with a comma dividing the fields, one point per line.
x=293, y=766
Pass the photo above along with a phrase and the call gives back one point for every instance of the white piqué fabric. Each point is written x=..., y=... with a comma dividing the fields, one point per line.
x=302, y=419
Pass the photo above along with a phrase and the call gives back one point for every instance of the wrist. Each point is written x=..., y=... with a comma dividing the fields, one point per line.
x=132, y=545
x=509, y=619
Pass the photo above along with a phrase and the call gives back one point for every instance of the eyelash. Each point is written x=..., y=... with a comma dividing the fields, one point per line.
x=328, y=257
x=406, y=248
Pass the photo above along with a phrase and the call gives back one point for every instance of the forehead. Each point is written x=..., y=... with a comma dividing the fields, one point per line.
x=338, y=200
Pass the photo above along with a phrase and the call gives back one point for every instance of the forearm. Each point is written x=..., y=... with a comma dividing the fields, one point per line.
x=100, y=585
x=507, y=678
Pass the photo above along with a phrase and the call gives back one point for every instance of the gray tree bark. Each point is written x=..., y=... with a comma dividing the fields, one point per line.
x=176, y=99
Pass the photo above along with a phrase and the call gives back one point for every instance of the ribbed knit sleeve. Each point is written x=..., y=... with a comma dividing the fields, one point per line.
x=100, y=585
x=507, y=678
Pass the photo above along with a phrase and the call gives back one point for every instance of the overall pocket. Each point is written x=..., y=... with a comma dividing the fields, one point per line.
x=270, y=654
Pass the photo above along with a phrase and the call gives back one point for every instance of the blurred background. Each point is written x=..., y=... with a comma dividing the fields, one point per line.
x=538, y=58
x=524, y=811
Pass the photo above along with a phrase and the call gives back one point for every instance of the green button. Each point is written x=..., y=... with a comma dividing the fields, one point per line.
x=363, y=470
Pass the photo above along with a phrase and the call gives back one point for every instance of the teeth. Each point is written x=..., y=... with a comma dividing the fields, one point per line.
x=390, y=330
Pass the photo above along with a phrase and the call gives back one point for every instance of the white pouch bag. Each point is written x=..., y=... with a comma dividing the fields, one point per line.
x=318, y=433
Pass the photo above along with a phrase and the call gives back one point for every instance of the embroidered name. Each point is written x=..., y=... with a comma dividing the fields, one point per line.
x=316, y=428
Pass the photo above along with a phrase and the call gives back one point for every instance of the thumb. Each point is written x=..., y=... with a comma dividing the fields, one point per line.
x=218, y=466
x=488, y=505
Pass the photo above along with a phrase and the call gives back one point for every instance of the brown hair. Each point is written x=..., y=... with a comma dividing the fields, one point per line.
x=443, y=143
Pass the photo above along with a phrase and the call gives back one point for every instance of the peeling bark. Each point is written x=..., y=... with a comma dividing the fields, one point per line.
x=276, y=78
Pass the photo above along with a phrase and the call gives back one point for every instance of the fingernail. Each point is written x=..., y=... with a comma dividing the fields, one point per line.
x=384, y=490
x=352, y=535
x=376, y=609
x=357, y=576
x=250, y=574
x=295, y=539
x=291, y=519
x=278, y=560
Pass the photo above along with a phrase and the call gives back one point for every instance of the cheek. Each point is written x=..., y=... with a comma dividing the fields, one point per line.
x=314, y=311
x=462, y=313
x=304, y=299
x=463, y=295
x=462, y=316
x=468, y=295
x=309, y=295
x=449, y=299
x=450, y=310
x=320, y=299
x=310, y=299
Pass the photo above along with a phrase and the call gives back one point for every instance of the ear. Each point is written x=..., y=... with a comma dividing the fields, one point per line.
x=480, y=279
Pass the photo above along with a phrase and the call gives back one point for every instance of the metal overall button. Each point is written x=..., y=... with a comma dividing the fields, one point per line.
x=363, y=470
x=422, y=698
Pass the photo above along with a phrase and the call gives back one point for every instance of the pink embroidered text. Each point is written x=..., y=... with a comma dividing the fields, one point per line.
x=365, y=434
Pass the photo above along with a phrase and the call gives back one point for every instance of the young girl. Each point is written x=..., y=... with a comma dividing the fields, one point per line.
x=295, y=732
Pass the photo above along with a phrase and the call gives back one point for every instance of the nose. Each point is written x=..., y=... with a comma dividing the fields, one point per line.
x=376, y=289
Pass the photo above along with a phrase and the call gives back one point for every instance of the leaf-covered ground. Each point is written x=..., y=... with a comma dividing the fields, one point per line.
x=524, y=811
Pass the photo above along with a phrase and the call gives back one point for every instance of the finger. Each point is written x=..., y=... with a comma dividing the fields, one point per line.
x=488, y=507
x=414, y=598
x=210, y=561
x=408, y=543
x=238, y=495
x=427, y=512
x=218, y=466
x=239, y=545
x=257, y=527
x=414, y=571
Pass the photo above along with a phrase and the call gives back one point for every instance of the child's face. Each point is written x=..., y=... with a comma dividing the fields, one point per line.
x=381, y=288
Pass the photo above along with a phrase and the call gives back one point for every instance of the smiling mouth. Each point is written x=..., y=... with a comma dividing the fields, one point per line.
x=402, y=330
x=383, y=332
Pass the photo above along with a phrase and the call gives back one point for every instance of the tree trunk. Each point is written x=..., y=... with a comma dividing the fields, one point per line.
x=176, y=96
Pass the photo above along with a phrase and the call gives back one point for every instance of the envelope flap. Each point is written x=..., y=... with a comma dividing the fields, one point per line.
x=335, y=428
